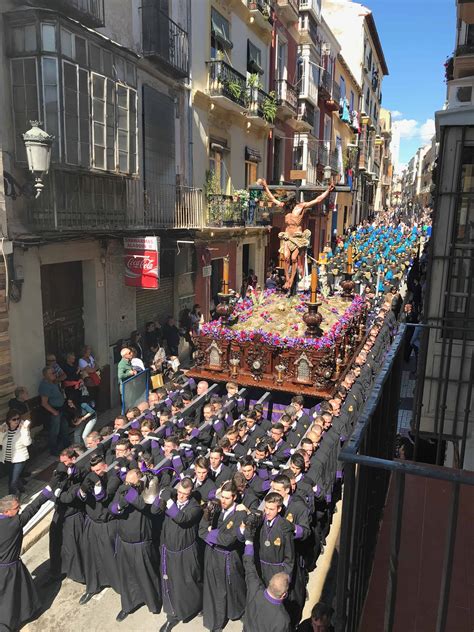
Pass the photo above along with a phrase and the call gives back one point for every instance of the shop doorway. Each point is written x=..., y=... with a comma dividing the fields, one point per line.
x=63, y=305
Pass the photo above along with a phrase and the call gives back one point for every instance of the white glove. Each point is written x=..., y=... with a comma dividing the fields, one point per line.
x=169, y=503
x=26, y=423
x=97, y=489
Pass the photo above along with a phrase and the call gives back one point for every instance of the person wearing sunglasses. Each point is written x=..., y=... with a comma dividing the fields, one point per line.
x=14, y=440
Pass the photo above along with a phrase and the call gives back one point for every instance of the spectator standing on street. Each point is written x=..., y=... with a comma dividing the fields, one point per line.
x=125, y=368
x=14, y=440
x=136, y=344
x=19, y=402
x=137, y=363
x=52, y=363
x=89, y=369
x=52, y=400
x=171, y=336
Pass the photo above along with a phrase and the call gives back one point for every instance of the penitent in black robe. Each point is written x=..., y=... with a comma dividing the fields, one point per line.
x=263, y=613
x=99, y=538
x=224, y=581
x=181, y=575
x=19, y=600
x=137, y=562
x=65, y=533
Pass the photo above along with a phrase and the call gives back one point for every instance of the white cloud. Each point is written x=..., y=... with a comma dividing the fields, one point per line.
x=412, y=129
x=396, y=114
x=427, y=130
x=407, y=128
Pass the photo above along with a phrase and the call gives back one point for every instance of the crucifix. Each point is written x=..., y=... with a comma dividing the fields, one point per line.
x=294, y=240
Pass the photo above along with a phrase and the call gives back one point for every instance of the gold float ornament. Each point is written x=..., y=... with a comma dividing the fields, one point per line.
x=280, y=369
x=234, y=363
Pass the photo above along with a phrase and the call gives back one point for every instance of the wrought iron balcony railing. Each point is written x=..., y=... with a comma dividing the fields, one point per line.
x=88, y=12
x=75, y=202
x=306, y=113
x=286, y=94
x=336, y=92
x=225, y=81
x=263, y=6
x=164, y=41
x=325, y=83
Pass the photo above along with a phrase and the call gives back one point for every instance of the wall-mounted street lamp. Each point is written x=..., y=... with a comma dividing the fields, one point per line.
x=327, y=173
x=38, y=144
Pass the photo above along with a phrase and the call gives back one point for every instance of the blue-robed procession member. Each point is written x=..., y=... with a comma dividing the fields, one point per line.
x=19, y=600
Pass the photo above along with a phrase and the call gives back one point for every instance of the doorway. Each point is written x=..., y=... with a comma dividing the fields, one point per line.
x=216, y=278
x=63, y=306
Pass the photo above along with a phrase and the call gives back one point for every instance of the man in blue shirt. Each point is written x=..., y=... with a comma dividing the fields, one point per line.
x=52, y=400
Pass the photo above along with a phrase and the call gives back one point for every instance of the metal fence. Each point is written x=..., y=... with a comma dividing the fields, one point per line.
x=368, y=469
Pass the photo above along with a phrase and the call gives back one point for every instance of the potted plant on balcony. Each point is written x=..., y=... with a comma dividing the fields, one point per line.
x=242, y=197
x=269, y=107
x=234, y=88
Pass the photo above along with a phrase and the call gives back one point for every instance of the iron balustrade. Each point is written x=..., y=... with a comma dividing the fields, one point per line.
x=227, y=82
x=88, y=12
x=165, y=41
x=286, y=94
x=336, y=92
x=325, y=83
x=334, y=159
x=224, y=210
x=323, y=155
x=369, y=467
x=74, y=201
x=306, y=113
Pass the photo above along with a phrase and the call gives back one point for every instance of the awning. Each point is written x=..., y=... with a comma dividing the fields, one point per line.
x=252, y=155
x=220, y=29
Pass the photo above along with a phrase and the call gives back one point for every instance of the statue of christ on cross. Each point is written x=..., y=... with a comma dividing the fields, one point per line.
x=294, y=240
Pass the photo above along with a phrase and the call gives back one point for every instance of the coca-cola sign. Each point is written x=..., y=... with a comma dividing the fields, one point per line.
x=141, y=258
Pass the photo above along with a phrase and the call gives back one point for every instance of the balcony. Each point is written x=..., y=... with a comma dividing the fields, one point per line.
x=165, y=42
x=334, y=160
x=75, y=202
x=262, y=13
x=325, y=85
x=466, y=11
x=308, y=30
x=88, y=12
x=464, y=61
x=287, y=98
x=227, y=86
x=333, y=102
x=305, y=119
x=323, y=155
x=309, y=88
x=225, y=211
x=312, y=6
x=288, y=9
x=262, y=107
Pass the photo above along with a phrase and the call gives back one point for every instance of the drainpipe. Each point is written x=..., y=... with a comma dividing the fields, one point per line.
x=190, y=97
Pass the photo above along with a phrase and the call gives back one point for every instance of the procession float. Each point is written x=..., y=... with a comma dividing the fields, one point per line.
x=296, y=342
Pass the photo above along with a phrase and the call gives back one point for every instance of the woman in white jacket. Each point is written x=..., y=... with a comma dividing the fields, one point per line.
x=14, y=441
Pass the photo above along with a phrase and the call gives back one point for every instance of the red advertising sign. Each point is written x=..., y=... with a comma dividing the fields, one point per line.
x=141, y=260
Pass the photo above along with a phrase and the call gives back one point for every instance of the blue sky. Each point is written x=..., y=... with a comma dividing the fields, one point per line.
x=416, y=36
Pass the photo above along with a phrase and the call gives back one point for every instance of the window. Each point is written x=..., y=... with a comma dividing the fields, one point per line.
x=352, y=101
x=220, y=34
x=254, y=59
x=217, y=165
x=25, y=99
x=317, y=122
x=342, y=83
x=251, y=169
x=460, y=287
x=51, y=102
x=281, y=59
x=82, y=93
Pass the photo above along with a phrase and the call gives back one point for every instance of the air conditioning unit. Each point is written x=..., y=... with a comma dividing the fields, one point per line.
x=461, y=93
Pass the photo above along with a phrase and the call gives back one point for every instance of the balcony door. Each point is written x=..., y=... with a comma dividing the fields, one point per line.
x=63, y=305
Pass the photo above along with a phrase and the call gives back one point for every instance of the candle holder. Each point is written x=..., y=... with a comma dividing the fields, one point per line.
x=234, y=363
x=224, y=309
x=312, y=320
x=280, y=369
x=348, y=286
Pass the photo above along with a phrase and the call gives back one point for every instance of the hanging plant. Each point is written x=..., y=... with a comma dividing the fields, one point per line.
x=269, y=107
